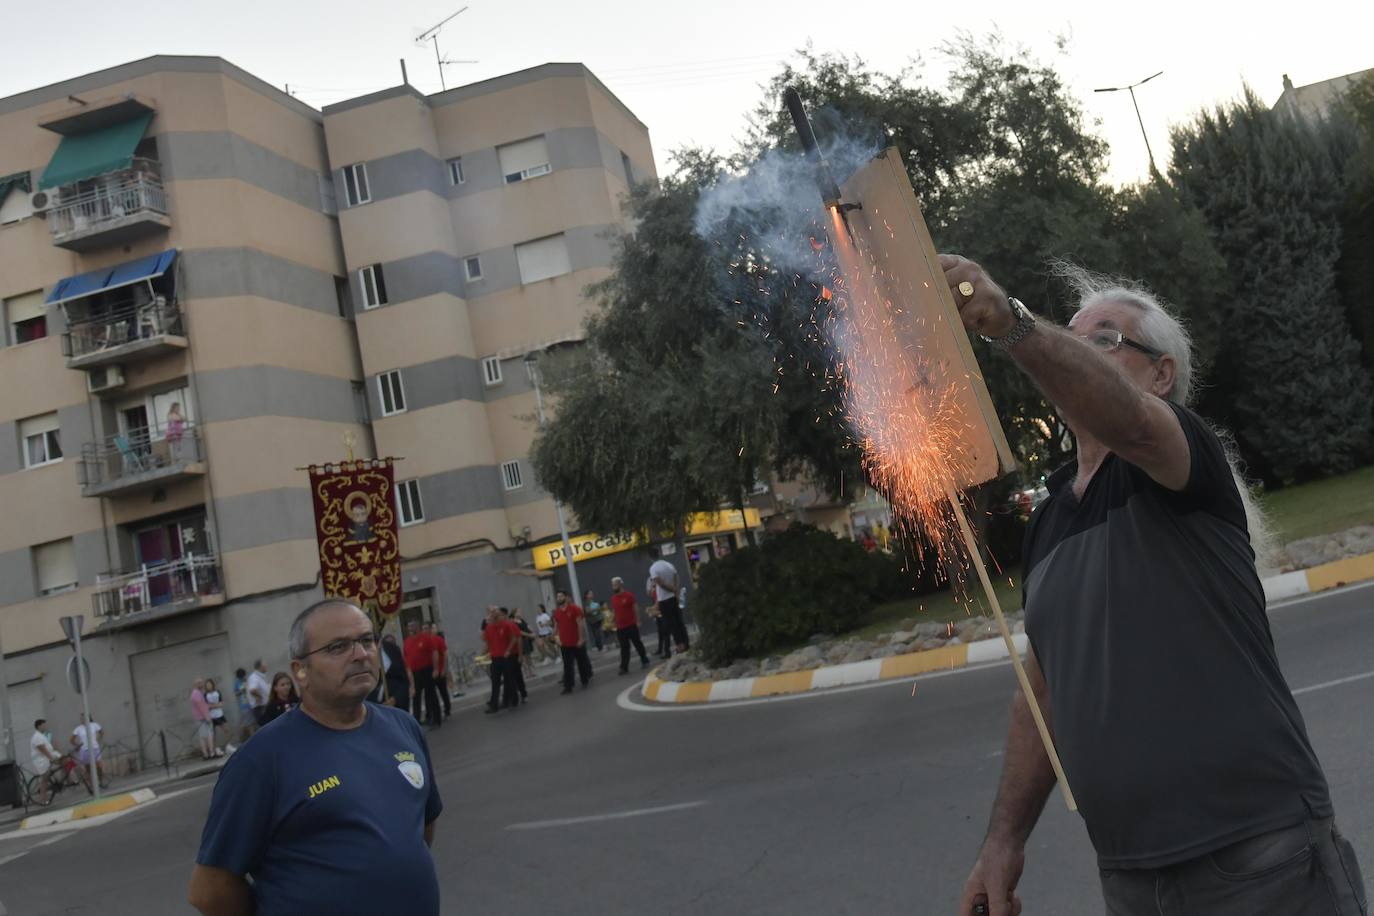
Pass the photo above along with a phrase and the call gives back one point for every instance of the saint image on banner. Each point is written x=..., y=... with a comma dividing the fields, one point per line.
x=355, y=526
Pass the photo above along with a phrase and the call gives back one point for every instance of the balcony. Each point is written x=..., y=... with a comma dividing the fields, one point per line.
x=125, y=332
x=142, y=459
x=156, y=591
x=113, y=209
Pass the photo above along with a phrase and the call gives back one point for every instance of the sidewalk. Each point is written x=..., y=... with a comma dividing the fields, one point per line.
x=145, y=779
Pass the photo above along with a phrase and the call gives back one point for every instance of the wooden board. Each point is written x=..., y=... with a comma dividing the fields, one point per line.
x=903, y=317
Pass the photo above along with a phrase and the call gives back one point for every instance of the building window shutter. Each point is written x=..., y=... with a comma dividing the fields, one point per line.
x=543, y=258
x=55, y=564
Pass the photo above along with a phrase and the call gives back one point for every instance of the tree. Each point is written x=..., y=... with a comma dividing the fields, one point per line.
x=677, y=404
x=1270, y=187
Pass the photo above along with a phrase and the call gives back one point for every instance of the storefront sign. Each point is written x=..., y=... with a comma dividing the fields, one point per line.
x=587, y=546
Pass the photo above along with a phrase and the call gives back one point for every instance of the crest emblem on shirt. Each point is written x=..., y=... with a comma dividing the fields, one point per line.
x=413, y=772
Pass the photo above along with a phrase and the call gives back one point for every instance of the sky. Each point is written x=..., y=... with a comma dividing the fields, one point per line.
x=693, y=72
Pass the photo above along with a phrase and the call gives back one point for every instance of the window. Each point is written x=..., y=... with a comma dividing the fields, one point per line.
x=355, y=184
x=455, y=170
x=629, y=170
x=14, y=206
x=341, y=295
x=372, y=281
x=543, y=258
x=491, y=370
x=408, y=502
x=523, y=160
x=329, y=202
x=42, y=440
x=27, y=317
x=510, y=474
x=360, y=412
x=389, y=389
x=55, y=564
x=473, y=267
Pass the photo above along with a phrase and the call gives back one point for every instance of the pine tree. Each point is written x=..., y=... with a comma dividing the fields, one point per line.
x=1287, y=367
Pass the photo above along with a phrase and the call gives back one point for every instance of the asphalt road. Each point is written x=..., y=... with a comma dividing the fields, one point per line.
x=867, y=801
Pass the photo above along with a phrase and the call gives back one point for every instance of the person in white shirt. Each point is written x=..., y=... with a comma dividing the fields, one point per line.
x=664, y=579
x=86, y=740
x=42, y=755
x=259, y=689
x=543, y=628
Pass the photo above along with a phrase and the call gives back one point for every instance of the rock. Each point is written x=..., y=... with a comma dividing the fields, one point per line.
x=836, y=652
x=791, y=663
x=856, y=655
x=889, y=651
x=930, y=630
x=901, y=636
x=956, y=641
x=810, y=653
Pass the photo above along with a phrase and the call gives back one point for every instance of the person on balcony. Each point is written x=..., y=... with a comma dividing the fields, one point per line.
x=176, y=428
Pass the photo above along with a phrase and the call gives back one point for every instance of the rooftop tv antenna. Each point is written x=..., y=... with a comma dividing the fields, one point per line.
x=432, y=34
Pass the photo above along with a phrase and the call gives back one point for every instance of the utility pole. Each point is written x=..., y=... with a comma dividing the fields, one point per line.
x=432, y=34
x=1131, y=89
x=532, y=364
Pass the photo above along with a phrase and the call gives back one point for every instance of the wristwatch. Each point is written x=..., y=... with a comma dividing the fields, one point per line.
x=1025, y=323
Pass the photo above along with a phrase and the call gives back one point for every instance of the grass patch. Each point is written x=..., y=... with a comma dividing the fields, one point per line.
x=939, y=607
x=1322, y=507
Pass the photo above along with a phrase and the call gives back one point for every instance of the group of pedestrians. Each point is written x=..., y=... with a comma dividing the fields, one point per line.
x=207, y=709
x=416, y=673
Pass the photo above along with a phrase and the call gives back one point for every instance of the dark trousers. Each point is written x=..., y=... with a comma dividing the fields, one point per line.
x=1305, y=870
x=425, y=689
x=576, y=655
x=629, y=636
x=517, y=676
x=594, y=630
x=400, y=692
x=441, y=685
x=665, y=639
x=504, y=692
x=672, y=619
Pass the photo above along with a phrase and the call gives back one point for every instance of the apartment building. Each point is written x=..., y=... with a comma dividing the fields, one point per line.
x=207, y=285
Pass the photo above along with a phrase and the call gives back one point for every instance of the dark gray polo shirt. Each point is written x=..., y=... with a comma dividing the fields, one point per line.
x=1177, y=731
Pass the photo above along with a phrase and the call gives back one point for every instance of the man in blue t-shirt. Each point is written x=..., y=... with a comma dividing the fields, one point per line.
x=330, y=808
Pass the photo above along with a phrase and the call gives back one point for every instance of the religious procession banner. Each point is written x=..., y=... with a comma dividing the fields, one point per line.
x=355, y=525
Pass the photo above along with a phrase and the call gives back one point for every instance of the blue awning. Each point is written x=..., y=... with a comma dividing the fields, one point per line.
x=107, y=278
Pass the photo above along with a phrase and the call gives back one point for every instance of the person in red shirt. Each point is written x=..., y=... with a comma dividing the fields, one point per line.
x=626, y=610
x=572, y=639
x=422, y=659
x=441, y=672
x=503, y=642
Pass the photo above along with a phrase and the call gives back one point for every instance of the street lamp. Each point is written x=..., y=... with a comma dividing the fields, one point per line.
x=1131, y=90
x=532, y=367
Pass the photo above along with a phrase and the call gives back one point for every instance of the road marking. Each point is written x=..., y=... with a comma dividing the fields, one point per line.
x=1336, y=683
x=614, y=816
x=48, y=842
x=1286, y=603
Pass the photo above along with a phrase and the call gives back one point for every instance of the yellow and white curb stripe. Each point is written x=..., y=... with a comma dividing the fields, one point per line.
x=111, y=805
x=1319, y=578
x=873, y=669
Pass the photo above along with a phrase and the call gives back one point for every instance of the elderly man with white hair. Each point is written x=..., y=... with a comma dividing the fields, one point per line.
x=1150, y=650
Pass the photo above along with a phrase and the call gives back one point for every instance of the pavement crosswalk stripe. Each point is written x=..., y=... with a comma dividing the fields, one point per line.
x=613, y=816
x=1336, y=683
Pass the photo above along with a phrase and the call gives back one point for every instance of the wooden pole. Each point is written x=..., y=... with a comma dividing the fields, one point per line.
x=976, y=559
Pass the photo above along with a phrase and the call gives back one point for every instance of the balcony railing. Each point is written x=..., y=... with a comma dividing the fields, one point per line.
x=125, y=332
x=181, y=584
x=141, y=459
x=119, y=206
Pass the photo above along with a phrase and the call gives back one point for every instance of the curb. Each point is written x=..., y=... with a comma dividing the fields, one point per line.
x=946, y=658
x=1276, y=588
x=111, y=805
x=1319, y=578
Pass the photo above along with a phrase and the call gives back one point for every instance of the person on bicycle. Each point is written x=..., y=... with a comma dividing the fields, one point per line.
x=42, y=756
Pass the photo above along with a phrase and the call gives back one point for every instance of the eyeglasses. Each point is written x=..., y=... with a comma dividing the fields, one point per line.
x=1109, y=341
x=341, y=647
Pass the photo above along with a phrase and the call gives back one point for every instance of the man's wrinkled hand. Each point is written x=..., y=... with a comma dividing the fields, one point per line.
x=983, y=304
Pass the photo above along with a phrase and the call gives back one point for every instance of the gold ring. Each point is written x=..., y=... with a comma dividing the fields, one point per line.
x=965, y=289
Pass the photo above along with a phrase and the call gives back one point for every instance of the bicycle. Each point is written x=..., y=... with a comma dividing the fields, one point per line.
x=65, y=772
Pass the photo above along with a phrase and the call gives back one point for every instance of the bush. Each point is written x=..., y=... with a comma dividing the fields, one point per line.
x=798, y=583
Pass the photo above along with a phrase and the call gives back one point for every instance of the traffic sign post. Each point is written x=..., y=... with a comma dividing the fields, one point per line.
x=72, y=627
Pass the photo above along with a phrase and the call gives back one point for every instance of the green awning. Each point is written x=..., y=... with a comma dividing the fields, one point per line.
x=108, y=149
x=18, y=181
